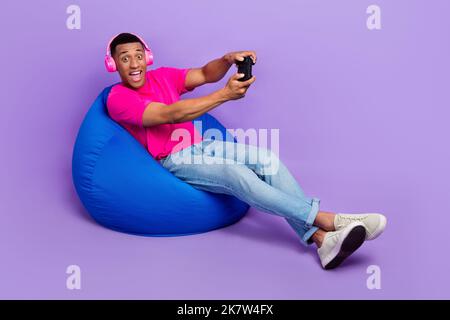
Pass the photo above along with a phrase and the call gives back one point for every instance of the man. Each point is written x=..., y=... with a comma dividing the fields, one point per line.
x=148, y=105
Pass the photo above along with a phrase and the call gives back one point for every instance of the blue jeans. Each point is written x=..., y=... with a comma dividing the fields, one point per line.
x=252, y=174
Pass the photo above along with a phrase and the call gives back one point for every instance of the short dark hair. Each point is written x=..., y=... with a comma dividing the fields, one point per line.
x=121, y=39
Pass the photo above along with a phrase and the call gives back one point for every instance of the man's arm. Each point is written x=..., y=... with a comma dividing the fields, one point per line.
x=215, y=70
x=190, y=109
x=182, y=110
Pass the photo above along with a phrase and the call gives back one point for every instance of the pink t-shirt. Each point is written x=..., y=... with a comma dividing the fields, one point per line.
x=126, y=106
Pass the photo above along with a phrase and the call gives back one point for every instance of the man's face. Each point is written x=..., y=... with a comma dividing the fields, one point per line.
x=131, y=65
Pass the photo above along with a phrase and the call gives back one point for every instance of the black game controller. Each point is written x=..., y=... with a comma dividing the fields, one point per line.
x=245, y=67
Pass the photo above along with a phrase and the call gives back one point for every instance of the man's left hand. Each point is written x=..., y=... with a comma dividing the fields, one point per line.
x=232, y=57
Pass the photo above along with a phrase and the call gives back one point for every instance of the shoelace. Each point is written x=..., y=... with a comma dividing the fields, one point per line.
x=344, y=219
x=360, y=218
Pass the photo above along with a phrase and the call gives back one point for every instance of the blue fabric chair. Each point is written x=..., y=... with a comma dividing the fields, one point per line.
x=125, y=189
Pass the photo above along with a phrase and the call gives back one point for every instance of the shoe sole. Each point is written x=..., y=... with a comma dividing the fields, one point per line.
x=351, y=243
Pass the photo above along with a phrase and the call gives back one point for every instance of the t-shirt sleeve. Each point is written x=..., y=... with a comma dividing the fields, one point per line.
x=125, y=106
x=178, y=78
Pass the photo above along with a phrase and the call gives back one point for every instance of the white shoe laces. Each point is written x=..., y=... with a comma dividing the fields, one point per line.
x=350, y=218
x=343, y=220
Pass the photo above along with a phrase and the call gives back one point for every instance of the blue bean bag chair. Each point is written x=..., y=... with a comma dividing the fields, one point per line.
x=125, y=189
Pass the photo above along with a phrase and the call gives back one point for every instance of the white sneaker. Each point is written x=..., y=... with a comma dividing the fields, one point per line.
x=340, y=244
x=373, y=222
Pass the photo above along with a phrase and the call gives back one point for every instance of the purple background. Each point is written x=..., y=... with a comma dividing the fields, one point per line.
x=363, y=118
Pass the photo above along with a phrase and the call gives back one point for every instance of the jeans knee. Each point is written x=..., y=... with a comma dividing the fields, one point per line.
x=268, y=161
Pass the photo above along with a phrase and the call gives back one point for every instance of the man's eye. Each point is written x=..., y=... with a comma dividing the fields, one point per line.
x=140, y=56
x=125, y=59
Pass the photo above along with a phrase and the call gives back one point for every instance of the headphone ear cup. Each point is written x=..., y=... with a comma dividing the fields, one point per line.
x=148, y=57
x=110, y=64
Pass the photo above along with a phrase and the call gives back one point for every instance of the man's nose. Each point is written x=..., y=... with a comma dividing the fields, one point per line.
x=134, y=64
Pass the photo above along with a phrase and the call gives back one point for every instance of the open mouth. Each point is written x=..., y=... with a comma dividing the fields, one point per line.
x=136, y=75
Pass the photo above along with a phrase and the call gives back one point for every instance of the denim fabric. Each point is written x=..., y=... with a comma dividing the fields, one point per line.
x=254, y=175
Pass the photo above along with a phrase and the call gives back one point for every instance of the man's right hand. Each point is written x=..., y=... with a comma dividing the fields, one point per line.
x=236, y=89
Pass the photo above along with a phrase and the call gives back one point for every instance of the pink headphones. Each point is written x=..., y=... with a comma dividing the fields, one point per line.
x=111, y=64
